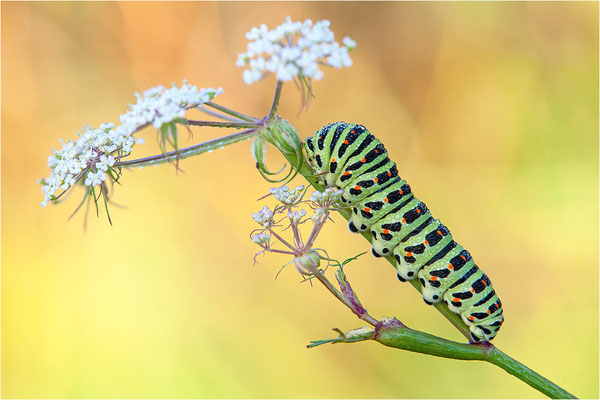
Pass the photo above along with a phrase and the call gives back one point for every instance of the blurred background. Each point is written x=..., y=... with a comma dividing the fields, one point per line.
x=489, y=109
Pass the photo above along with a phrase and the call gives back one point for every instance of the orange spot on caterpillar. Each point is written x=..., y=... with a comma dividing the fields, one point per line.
x=376, y=152
x=375, y=180
x=400, y=191
x=484, y=284
x=439, y=232
x=356, y=187
x=363, y=160
x=367, y=209
x=418, y=211
x=333, y=159
x=345, y=142
x=389, y=174
x=456, y=300
x=488, y=311
x=386, y=231
x=463, y=257
x=409, y=254
x=352, y=131
x=386, y=200
x=403, y=220
x=346, y=172
x=450, y=267
x=471, y=318
x=433, y=278
x=426, y=242
x=472, y=290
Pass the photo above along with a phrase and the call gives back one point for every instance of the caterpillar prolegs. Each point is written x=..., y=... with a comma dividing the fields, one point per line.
x=349, y=157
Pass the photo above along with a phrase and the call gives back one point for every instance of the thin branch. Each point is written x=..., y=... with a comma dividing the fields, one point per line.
x=404, y=338
x=275, y=101
x=219, y=124
x=190, y=151
x=365, y=317
x=236, y=114
x=219, y=115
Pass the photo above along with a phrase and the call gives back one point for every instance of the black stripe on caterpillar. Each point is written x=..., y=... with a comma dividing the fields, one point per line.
x=348, y=157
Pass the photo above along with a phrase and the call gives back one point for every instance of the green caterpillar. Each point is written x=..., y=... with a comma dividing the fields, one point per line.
x=349, y=157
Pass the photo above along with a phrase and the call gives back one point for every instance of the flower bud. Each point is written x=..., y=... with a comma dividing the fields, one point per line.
x=308, y=263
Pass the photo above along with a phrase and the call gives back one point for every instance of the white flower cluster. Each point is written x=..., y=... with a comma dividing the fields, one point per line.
x=262, y=239
x=326, y=198
x=158, y=106
x=91, y=153
x=287, y=196
x=292, y=50
x=264, y=217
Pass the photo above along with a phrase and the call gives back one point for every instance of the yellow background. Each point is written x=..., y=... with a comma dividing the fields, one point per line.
x=489, y=110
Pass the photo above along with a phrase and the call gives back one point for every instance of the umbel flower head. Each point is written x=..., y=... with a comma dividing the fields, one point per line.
x=293, y=51
x=91, y=157
x=158, y=106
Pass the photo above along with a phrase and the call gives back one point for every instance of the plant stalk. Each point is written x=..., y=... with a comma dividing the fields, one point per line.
x=404, y=338
x=226, y=110
x=219, y=124
x=189, y=151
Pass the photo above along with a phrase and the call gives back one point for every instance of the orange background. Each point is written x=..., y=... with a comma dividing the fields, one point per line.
x=489, y=109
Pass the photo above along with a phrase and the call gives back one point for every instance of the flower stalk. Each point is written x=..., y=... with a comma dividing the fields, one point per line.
x=205, y=147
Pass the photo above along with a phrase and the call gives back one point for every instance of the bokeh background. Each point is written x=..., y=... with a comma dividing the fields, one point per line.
x=489, y=109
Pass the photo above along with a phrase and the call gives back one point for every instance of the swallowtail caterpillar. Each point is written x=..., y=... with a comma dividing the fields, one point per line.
x=349, y=157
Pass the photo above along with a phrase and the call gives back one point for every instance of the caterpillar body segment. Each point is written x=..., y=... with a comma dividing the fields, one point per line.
x=349, y=157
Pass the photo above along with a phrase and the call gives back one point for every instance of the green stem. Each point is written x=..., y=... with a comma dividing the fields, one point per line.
x=275, y=102
x=218, y=124
x=189, y=151
x=527, y=375
x=226, y=110
x=404, y=338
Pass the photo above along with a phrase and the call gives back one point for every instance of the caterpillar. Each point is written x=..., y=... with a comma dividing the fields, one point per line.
x=347, y=156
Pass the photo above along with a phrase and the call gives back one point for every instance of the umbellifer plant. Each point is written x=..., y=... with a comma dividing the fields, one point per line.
x=296, y=52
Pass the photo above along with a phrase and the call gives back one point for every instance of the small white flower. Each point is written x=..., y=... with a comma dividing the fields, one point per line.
x=293, y=50
x=95, y=178
x=105, y=162
x=158, y=106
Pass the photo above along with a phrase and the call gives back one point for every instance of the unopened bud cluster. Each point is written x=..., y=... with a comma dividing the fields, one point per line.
x=286, y=196
x=305, y=256
x=327, y=198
